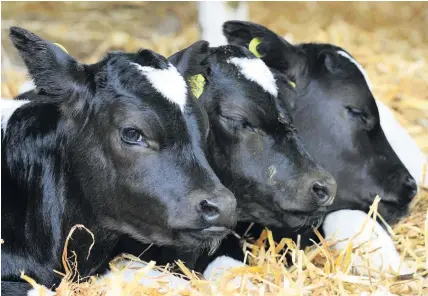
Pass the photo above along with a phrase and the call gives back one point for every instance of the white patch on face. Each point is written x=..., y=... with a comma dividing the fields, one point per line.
x=7, y=108
x=366, y=77
x=168, y=82
x=257, y=71
x=402, y=143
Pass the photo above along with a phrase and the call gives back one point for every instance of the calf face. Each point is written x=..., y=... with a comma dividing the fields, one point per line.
x=337, y=118
x=253, y=146
x=120, y=140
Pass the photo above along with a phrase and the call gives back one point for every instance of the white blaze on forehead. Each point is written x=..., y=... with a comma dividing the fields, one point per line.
x=168, y=82
x=257, y=71
x=352, y=60
x=7, y=108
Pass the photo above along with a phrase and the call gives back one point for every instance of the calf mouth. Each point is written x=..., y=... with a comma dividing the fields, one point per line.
x=391, y=211
x=216, y=229
x=208, y=238
x=303, y=221
x=207, y=232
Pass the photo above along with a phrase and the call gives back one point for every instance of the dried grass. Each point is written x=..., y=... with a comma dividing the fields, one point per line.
x=317, y=270
x=389, y=39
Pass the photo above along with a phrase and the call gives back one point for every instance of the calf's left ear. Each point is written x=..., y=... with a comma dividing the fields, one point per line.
x=274, y=50
x=52, y=69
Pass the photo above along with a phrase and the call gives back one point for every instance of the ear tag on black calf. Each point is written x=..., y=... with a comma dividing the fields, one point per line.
x=62, y=47
x=253, y=47
x=292, y=83
x=197, y=83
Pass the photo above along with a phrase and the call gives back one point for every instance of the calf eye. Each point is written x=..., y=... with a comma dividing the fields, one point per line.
x=133, y=137
x=239, y=124
x=358, y=114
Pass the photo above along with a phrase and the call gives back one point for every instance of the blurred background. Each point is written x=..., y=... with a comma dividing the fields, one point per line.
x=389, y=39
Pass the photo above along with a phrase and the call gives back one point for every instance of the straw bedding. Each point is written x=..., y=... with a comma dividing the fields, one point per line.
x=389, y=39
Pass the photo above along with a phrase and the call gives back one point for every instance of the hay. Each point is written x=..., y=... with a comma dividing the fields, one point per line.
x=389, y=39
x=318, y=270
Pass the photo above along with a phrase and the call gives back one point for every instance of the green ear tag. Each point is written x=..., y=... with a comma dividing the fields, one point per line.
x=253, y=47
x=293, y=84
x=62, y=47
x=197, y=83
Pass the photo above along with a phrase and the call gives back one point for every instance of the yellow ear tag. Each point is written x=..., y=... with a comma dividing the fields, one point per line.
x=197, y=83
x=62, y=47
x=253, y=47
x=293, y=84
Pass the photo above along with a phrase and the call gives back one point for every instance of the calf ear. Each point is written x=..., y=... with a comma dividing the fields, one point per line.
x=329, y=60
x=189, y=60
x=272, y=48
x=52, y=69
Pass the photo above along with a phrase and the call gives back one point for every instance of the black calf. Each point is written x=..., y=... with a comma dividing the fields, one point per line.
x=253, y=145
x=337, y=118
x=116, y=146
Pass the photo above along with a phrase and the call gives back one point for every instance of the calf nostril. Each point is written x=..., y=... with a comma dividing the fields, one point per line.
x=209, y=210
x=410, y=183
x=320, y=191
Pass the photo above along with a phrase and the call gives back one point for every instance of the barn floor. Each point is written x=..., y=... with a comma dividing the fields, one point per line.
x=389, y=39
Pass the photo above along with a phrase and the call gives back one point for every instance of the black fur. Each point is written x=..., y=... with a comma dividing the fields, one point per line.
x=249, y=133
x=65, y=161
x=337, y=118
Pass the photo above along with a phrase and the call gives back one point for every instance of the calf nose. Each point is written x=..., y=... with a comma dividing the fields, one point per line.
x=323, y=190
x=209, y=210
x=219, y=210
x=410, y=186
x=410, y=183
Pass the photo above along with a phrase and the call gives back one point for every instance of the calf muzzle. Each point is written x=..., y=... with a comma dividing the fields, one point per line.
x=218, y=211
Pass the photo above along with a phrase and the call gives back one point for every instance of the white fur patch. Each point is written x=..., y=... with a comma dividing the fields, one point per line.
x=223, y=264
x=257, y=71
x=219, y=265
x=168, y=82
x=403, y=144
x=46, y=292
x=26, y=86
x=366, y=77
x=7, y=108
x=345, y=224
x=130, y=270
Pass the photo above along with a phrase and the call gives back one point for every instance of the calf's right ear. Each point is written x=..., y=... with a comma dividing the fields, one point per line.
x=52, y=69
x=274, y=50
x=189, y=61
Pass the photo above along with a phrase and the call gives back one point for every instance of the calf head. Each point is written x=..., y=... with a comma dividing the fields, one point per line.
x=253, y=146
x=336, y=115
x=129, y=140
